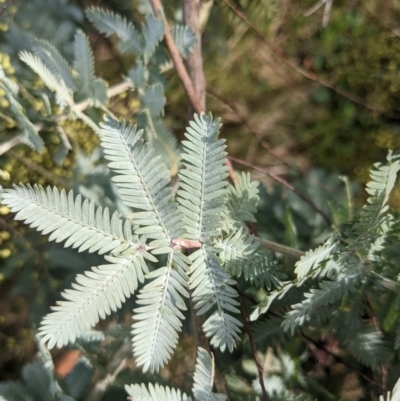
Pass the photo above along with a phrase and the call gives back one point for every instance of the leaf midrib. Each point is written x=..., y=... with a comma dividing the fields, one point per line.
x=145, y=187
x=77, y=221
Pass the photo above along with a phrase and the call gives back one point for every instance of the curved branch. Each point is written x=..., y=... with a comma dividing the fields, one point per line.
x=177, y=59
x=285, y=184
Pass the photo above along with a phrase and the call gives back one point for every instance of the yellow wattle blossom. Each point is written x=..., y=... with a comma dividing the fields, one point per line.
x=4, y=235
x=5, y=253
x=4, y=103
x=4, y=175
x=4, y=210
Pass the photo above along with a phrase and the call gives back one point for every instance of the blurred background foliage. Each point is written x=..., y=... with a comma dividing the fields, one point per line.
x=307, y=101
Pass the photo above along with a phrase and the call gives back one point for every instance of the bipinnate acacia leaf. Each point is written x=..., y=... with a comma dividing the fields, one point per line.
x=109, y=23
x=94, y=296
x=204, y=378
x=141, y=180
x=159, y=317
x=203, y=179
x=213, y=289
x=80, y=223
x=139, y=392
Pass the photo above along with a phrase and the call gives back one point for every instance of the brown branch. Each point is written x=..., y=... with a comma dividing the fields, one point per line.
x=3, y=10
x=339, y=359
x=254, y=349
x=177, y=59
x=305, y=73
x=285, y=184
x=286, y=250
x=194, y=63
x=273, y=246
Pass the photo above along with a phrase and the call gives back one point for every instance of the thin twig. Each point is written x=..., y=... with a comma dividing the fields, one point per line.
x=273, y=246
x=177, y=59
x=305, y=73
x=286, y=250
x=194, y=63
x=254, y=349
x=339, y=359
x=114, y=368
x=327, y=13
x=3, y=10
x=245, y=121
x=285, y=184
x=314, y=8
x=6, y=146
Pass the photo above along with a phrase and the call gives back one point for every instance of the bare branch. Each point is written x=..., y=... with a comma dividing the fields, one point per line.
x=194, y=63
x=314, y=8
x=3, y=10
x=285, y=184
x=327, y=13
x=177, y=59
x=254, y=350
x=286, y=250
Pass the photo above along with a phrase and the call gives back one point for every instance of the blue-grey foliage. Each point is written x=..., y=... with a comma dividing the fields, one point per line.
x=158, y=225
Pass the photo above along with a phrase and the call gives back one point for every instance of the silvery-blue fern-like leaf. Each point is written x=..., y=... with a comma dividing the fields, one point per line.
x=39, y=380
x=184, y=38
x=84, y=62
x=242, y=199
x=366, y=344
x=203, y=179
x=159, y=318
x=138, y=75
x=93, y=88
x=313, y=259
x=212, y=288
x=385, y=230
x=160, y=137
x=81, y=224
x=110, y=23
x=204, y=378
x=139, y=392
x=153, y=32
x=52, y=82
x=241, y=254
x=94, y=296
x=28, y=130
x=142, y=183
x=317, y=301
x=55, y=62
x=268, y=330
x=383, y=180
x=264, y=306
x=153, y=98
